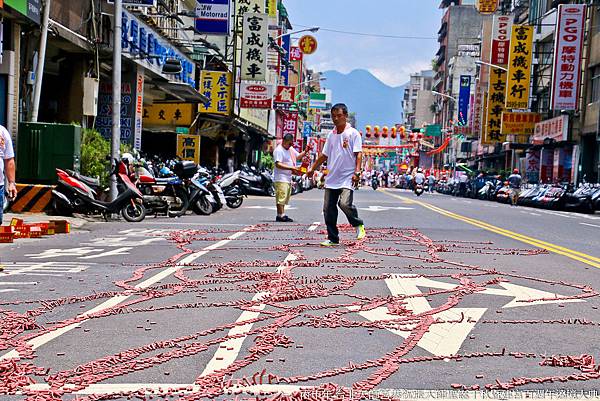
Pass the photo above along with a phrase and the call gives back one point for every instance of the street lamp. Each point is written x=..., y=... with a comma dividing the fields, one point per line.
x=313, y=29
x=490, y=65
x=444, y=95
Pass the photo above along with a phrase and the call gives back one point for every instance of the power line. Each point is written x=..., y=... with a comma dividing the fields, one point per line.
x=374, y=35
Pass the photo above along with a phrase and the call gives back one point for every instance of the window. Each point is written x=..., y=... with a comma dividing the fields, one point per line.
x=595, y=84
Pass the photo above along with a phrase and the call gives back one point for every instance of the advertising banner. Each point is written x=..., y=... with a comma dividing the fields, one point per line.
x=486, y=6
x=532, y=166
x=284, y=97
x=556, y=129
x=248, y=6
x=495, y=106
x=501, y=31
x=29, y=8
x=317, y=101
x=464, y=97
x=519, y=67
x=104, y=117
x=212, y=17
x=284, y=72
x=188, y=147
x=271, y=8
x=256, y=96
x=566, y=74
x=139, y=109
x=519, y=123
x=296, y=54
x=216, y=85
x=254, y=47
x=169, y=114
x=477, y=111
x=290, y=123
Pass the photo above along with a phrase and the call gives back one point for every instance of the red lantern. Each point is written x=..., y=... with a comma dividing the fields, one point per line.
x=376, y=131
x=402, y=133
x=420, y=136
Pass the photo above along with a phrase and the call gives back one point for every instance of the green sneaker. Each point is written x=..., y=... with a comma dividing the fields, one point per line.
x=360, y=232
x=329, y=243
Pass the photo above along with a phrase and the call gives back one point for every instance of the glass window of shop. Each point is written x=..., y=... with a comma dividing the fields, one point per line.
x=595, y=84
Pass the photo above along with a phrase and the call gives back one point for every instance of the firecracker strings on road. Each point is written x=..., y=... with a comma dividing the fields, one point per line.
x=299, y=294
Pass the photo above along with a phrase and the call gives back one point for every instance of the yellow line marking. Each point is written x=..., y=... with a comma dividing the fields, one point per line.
x=579, y=256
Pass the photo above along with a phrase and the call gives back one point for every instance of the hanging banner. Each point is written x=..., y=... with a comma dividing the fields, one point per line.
x=271, y=8
x=501, y=30
x=139, y=109
x=486, y=6
x=212, y=17
x=295, y=54
x=495, y=106
x=216, y=85
x=476, y=112
x=188, y=147
x=519, y=67
x=247, y=6
x=464, y=97
x=284, y=97
x=290, y=123
x=566, y=74
x=519, y=123
x=256, y=96
x=285, y=42
x=556, y=129
x=254, y=47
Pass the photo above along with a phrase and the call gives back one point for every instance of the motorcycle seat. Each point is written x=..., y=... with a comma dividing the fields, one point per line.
x=93, y=182
x=165, y=181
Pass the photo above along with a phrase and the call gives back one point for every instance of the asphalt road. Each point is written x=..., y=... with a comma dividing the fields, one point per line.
x=443, y=295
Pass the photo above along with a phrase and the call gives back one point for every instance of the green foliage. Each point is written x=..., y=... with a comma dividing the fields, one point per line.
x=266, y=161
x=94, y=152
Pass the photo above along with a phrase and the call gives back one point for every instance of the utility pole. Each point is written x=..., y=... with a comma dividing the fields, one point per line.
x=116, y=94
x=37, y=91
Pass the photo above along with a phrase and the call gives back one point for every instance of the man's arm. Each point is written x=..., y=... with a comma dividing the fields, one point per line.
x=282, y=166
x=357, y=167
x=9, y=168
x=320, y=160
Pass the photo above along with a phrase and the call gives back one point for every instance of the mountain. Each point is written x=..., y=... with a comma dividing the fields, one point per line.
x=374, y=102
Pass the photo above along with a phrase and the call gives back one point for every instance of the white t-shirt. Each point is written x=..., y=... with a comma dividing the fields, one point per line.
x=419, y=178
x=287, y=157
x=6, y=151
x=341, y=161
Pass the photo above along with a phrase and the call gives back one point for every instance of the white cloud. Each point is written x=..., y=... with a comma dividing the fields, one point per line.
x=398, y=74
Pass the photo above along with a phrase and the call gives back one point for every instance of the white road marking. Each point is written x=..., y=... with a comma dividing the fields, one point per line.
x=43, y=267
x=314, y=226
x=229, y=350
x=116, y=300
x=114, y=252
x=270, y=207
x=384, y=208
x=9, y=290
x=534, y=214
x=591, y=225
x=21, y=283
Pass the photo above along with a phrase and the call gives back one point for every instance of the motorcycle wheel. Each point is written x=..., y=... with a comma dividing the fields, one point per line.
x=134, y=213
x=59, y=210
x=180, y=209
x=271, y=191
x=203, y=207
x=234, y=204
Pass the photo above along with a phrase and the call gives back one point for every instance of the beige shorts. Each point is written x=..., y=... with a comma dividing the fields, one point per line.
x=283, y=192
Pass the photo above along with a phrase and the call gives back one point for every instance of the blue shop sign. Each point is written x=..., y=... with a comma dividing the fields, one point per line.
x=149, y=49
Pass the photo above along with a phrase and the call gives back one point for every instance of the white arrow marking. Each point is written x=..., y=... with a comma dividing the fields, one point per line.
x=383, y=208
x=270, y=207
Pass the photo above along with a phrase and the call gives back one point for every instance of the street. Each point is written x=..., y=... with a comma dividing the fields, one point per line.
x=444, y=294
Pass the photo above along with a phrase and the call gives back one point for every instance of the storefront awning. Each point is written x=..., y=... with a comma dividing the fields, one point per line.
x=248, y=127
x=180, y=92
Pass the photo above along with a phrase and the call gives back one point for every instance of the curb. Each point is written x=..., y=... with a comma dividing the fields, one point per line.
x=32, y=198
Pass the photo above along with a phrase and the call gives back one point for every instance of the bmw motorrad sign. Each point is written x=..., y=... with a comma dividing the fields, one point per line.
x=213, y=16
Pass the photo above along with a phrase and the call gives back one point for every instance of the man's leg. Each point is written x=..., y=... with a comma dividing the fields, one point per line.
x=345, y=202
x=330, y=213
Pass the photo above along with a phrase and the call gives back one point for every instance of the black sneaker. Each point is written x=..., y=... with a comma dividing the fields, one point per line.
x=284, y=219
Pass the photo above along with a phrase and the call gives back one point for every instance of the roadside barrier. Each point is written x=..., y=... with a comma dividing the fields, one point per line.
x=32, y=198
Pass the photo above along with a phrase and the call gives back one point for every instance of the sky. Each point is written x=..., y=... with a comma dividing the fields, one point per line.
x=389, y=59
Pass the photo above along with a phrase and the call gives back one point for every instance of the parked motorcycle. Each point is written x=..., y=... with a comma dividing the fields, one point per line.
x=74, y=196
x=167, y=194
x=230, y=184
x=374, y=182
x=581, y=198
x=201, y=199
x=257, y=183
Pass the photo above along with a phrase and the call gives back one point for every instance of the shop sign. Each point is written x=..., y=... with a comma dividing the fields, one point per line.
x=169, y=114
x=433, y=130
x=556, y=128
x=307, y=129
x=295, y=54
x=285, y=97
x=486, y=6
x=519, y=123
x=256, y=96
x=284, y=72
x=469, y=51
x=290, y=124
x=477, y=110
x=254, y=47
x=464, y=97
x=136, y=3
x=495, y=105
x=147, y=48
x=247, y=6
x=501, y=30
x=317, y=101
x=216, y=85
x=188, y=147
x=139, y=109
x=519, y=67
x=566, y=74
x=271, y=8
x=308, y=44
x=29, y=8
x=212, y=17
x=104, y=118
x=532, y=166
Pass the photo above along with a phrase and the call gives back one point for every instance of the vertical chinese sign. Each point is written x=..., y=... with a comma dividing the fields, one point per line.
x=216, y=85
x=188, y=147
x=501, y=30
x=290, y=124
x=464, y=97
x=519, y=67
x=285, y=97
x=254, y=47
x=566, y=74
x=284, y=71
x=247, y=6
x=495, y=105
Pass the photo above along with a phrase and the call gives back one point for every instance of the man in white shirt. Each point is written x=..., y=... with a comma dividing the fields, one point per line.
x=285, y=157
x=7, y=166
x=343, y=153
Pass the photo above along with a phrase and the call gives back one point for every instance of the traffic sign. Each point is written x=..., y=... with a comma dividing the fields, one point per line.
x=308, y=44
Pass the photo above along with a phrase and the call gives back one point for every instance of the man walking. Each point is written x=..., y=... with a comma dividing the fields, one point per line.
x=343, y=153
x=285, y=157
x=515, y=180
x=7, y=167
